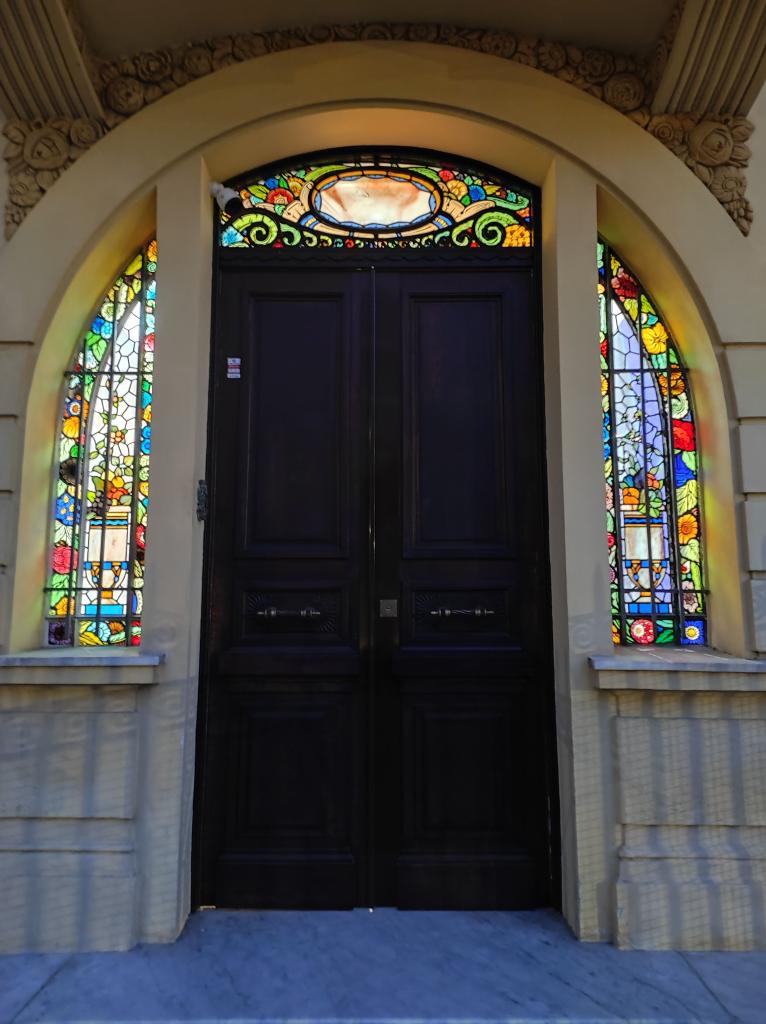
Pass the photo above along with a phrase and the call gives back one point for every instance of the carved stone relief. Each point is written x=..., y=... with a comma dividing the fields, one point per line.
x=713, y=147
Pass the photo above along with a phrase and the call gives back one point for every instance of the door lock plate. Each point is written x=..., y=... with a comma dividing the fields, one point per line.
x=389, y=609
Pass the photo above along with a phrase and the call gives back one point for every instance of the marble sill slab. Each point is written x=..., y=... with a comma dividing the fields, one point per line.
x=73, y=666
x=680, y=670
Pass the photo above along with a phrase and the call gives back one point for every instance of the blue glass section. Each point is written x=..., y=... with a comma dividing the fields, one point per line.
x=694, y=632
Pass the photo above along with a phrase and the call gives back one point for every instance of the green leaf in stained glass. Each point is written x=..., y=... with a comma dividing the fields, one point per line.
x=687, y=497
x=691, y=550
x=696, y=574
x=665, y=631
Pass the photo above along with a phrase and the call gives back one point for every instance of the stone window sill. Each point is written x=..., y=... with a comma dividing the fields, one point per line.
x=679, y=670
x=75, y=666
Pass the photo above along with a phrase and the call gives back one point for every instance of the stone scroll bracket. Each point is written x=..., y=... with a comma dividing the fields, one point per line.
x=713, y=146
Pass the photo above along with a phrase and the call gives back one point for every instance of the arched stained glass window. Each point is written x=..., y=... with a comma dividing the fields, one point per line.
x=377, y=202
x=652, y=469
x=101, y=493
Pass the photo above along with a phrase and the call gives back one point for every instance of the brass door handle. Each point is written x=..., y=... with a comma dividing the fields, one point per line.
x=462, y=613
x=289, y=613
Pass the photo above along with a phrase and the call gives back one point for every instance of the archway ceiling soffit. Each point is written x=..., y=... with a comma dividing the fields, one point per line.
x=41, y=147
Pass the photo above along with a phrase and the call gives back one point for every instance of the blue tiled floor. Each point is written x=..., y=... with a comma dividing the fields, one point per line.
x=384, y=966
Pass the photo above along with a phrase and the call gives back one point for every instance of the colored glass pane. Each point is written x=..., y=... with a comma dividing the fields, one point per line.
x=651, y=469
x=378, y=203
x=95, y=585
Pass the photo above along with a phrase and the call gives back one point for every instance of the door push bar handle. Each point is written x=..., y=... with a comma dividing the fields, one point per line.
x=289, y=613
x=474, y=613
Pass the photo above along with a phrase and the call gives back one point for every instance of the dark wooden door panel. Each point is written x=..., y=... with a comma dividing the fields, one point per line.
x=285, y=772
x=460, y=811
x=456, y=500
x=296, y=425
x=384, y=444
x=291, y=767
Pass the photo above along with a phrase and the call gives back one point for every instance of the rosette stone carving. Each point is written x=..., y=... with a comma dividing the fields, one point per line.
x=37, y=153
x=713, y=147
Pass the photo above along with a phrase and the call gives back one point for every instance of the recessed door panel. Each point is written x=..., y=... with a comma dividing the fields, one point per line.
x=296, y=426
x=455, y=499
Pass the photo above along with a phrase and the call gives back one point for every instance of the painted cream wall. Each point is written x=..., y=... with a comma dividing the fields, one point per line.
x=3, y=183
x=746, y=363
x=595, y=169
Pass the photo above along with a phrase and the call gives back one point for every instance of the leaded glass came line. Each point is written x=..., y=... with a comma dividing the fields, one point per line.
x=651, y=469
x=377, y=202
x=95, y=585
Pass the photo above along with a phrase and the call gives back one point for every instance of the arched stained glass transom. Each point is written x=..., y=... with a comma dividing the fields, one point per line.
x=377, y=202
x=651, y=466
x=101, y=492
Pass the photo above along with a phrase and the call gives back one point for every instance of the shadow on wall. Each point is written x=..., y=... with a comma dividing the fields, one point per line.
x=693, y=814
x=68, y=781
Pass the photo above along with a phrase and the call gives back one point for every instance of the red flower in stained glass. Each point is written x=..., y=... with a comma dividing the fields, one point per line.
x=63, y=559
x=683, y=435
x=141, y=536
x=624, y=285
x=150, y=342
x=279, y=197
x=642, y=631
x=604, y=348
x=446, y=175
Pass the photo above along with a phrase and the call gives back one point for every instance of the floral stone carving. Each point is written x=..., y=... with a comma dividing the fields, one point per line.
x=712, y=146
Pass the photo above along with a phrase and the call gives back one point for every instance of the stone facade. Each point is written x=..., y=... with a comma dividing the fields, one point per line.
x=712, y=146
x=104, y=862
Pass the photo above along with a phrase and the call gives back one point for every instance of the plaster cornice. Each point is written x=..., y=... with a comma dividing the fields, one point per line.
x=44, y=70
x=712, y=146
x=719, y=62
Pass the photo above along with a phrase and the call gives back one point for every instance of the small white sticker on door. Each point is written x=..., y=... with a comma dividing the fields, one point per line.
x=233, y=368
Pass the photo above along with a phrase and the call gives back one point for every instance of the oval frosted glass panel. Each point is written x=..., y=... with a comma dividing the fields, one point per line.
x=376, y=202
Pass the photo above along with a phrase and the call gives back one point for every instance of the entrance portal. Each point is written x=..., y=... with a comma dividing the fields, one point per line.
x=377, y=649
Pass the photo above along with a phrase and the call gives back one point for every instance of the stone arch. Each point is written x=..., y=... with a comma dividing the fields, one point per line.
x=103, y=205
x=596, y=169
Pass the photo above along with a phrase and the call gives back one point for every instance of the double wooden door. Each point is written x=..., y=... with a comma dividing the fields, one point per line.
x=374, y=715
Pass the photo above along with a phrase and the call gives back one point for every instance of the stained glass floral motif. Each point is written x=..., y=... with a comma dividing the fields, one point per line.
x=651, y=467
x=377, y=203
x=95, y=584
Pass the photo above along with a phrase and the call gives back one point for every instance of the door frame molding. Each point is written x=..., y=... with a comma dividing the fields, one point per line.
x=597, y=173
x=285, y=260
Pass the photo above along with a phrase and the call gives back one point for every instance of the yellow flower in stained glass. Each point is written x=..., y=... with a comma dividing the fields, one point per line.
x=655, y=339
x=71, y=426
x=677, y=385
x=688, y=528
x=517, y=235
x=458, y=188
